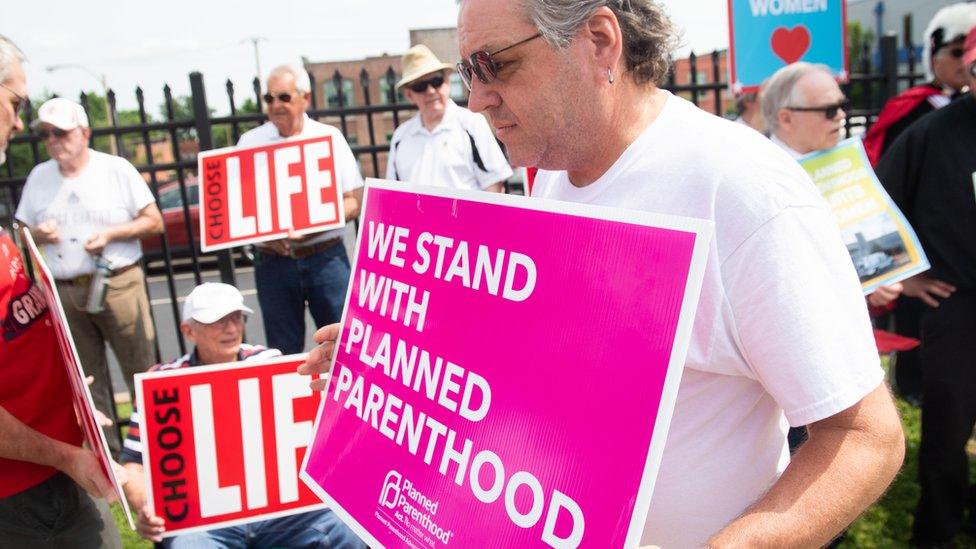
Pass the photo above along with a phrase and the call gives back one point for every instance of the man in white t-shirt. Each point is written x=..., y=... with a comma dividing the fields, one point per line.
x=781, y=334
x=84, y=207
x=444, y=145
x=314, y=269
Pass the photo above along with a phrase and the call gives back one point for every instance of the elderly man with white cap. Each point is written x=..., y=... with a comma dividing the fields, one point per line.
x=443, y=145
x=89, y=210
x=213, y=321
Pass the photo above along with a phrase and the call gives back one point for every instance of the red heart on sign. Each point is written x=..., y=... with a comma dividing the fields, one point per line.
x=791, y=44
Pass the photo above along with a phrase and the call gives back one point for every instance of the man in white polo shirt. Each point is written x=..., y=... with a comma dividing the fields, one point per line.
x=314, y=269
x=443, y=145
x=88, y=208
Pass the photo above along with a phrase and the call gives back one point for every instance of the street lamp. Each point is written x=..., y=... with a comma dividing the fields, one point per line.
x=101, y=80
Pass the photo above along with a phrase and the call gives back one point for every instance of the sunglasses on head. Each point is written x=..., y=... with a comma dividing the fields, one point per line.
x=58, y=133
x=483, y=65
x=420, y=86
x=20, y=103
x=269, y=98
x=829, y=111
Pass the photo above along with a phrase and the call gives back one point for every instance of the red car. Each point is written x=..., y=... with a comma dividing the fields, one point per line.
x=174, y=221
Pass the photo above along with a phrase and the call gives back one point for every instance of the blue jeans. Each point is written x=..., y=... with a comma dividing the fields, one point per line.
x=311, y=530
x=285, y=285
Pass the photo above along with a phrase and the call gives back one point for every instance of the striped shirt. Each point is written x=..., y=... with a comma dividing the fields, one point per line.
x=132, y=447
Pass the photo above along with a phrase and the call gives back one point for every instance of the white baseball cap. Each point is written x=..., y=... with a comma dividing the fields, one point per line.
x=61, y=113
x=211, y=301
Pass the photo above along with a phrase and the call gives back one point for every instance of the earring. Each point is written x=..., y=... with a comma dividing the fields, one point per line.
x=610, y=75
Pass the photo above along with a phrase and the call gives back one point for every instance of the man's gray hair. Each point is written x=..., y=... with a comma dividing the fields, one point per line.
x=779, y=91
x=649, y=37
x=10, y=54
x=302, y=82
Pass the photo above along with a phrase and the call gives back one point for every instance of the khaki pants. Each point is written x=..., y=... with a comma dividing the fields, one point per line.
x=125, y=324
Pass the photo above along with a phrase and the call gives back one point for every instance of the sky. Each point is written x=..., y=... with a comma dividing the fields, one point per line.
x=149, y=44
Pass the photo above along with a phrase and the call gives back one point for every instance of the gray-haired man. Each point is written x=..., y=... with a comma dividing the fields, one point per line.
x=314, y=269
x=46, y=476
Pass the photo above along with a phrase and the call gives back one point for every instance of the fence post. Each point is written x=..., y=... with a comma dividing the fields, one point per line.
x=889, y=66
x=201, y=117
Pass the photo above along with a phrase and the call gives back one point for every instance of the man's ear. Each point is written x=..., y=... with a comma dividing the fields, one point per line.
x=187, y=332
x=87, y=133
x=605, y=40
x=784, y=118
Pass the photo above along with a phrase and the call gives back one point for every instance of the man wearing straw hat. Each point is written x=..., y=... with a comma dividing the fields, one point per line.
x=443, y=145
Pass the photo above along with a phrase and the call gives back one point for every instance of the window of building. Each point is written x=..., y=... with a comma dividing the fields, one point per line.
x=329, y=90
x=386, y=85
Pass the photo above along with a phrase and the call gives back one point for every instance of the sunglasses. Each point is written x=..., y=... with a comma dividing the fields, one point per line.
x=957, y=53
x=829, y=111
x=20, y=104
x=483, y=65
x=421, y=86
x=270, y=98
x=58, y=133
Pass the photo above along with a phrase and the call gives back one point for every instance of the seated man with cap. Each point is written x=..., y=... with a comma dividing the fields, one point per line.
x=444, y=145
x=213, y=321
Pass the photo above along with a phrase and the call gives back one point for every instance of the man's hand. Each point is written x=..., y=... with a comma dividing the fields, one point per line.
x=277, y=247
x=319, y=359
x=97, y=242
x=150, y=526
x=83, y=467
x=885, y=294
x=46, y=232
x=927, y=289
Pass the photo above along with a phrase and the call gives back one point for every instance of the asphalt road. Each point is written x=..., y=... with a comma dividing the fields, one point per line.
x=167, y=327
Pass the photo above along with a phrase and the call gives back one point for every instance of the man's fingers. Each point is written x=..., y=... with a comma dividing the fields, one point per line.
x=326, y=333
x=319, y=384
x=928, y=300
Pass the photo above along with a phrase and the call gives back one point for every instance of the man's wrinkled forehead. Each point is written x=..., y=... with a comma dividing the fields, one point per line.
x=488, y=25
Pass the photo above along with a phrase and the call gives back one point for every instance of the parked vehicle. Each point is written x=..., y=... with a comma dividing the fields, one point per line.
x=171, y=206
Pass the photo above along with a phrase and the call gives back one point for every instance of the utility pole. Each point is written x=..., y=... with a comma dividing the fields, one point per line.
x=108, y=107
x=257, y=57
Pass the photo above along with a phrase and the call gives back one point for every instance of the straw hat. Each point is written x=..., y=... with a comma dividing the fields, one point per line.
x=417, y=62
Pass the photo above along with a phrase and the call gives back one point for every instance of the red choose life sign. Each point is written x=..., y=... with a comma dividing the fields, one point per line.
x=256, y=194
x=223, y=444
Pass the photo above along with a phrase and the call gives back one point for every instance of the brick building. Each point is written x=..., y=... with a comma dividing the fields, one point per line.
x=381, y=74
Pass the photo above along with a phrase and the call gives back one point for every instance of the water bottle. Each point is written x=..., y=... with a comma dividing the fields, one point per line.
x=98, y=289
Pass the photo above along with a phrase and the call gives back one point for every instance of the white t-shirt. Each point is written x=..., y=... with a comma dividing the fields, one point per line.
x=444, y=157
x=781, y=324
x=348, y=177
x=108, y=191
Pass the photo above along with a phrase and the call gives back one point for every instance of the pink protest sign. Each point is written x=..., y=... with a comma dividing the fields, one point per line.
x=506, y=371
x=83, y=403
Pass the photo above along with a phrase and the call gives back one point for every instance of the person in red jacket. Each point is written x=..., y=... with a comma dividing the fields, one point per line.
x=47, y=479
x=942, y=57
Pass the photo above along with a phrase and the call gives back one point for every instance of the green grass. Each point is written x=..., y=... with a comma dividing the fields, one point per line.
x=886, y=525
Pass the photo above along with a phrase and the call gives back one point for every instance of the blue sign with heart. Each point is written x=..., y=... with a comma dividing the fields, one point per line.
x=767, y=35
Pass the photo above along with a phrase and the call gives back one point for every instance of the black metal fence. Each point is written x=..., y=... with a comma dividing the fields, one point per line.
x=165, y=150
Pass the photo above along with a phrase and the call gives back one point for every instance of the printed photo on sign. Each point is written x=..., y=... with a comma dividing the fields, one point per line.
x=222, y=444
x=84, y=405
x=256, y=194
x=767, y=35
x=883, y=246
x=490, y=346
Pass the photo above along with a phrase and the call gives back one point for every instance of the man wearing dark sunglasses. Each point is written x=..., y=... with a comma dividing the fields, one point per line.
x=51, y=487
x=804, y=108
x=930, y=173
x=942, y=58
x=573, y=87
x=443, y=145
x=313, y=269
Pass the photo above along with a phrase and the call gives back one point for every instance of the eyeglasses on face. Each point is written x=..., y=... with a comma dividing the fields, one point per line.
x=20, y=103
x=829, y=111
x=58, y=133
x=269, y=98
x=236, y=318
x=483, y=65
x=955, y=53
x=421, y=85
